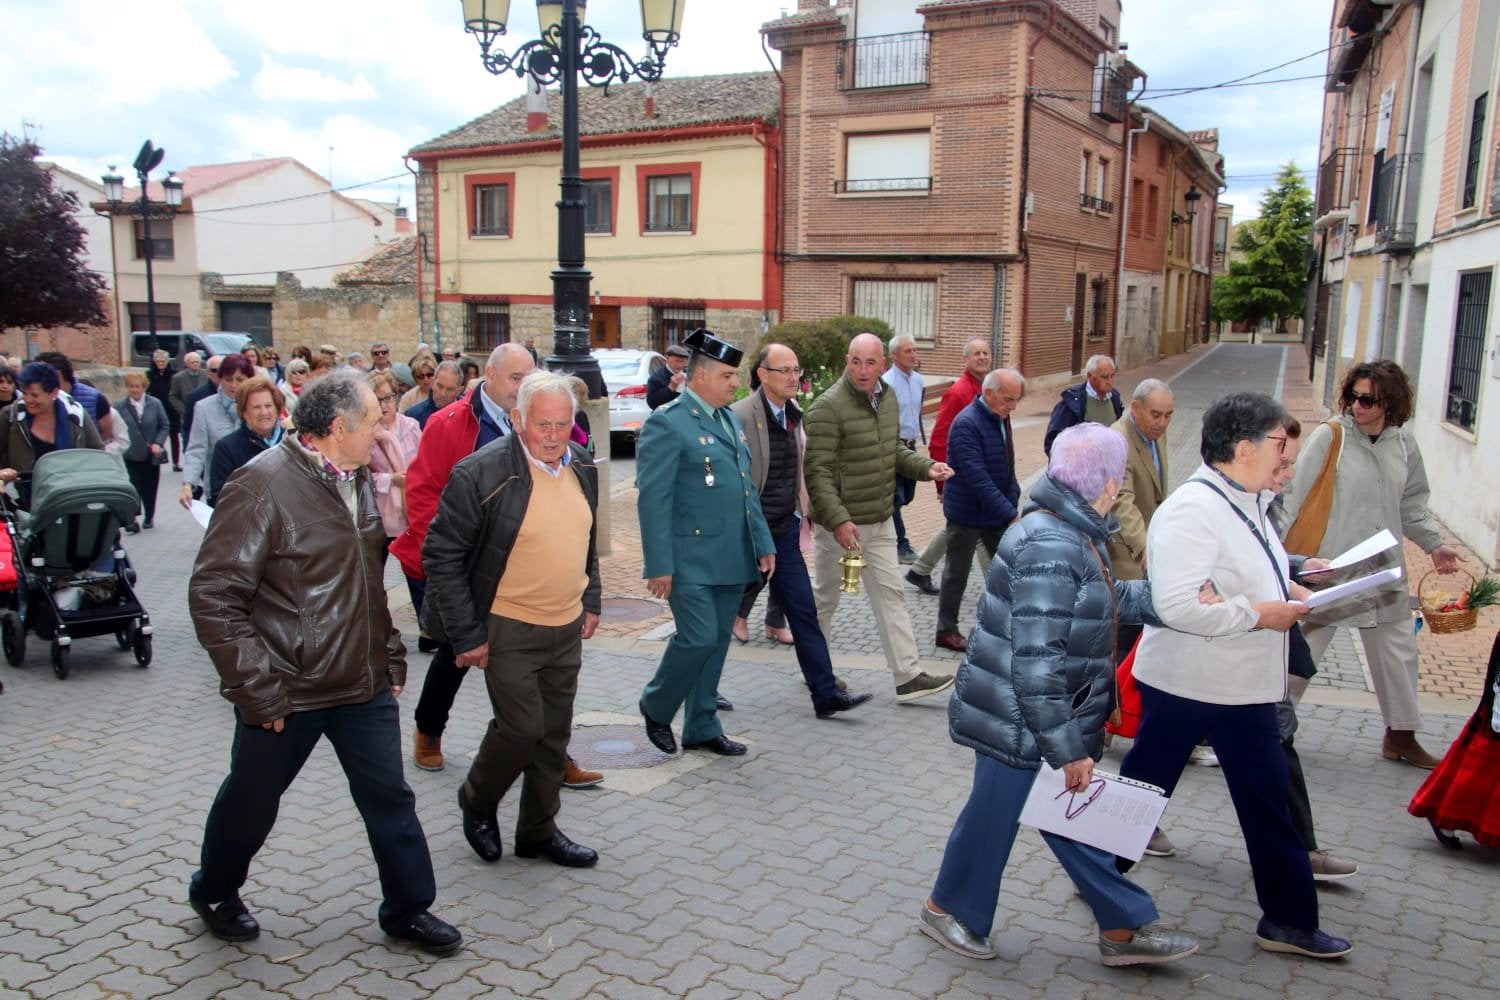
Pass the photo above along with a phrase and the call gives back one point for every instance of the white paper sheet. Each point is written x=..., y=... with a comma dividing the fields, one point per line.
x=1372, y=546
x=201, y=513
x=1114, y=814
x=1343, y=590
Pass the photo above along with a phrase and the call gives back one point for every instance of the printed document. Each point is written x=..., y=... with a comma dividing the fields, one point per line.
x=1113, y=814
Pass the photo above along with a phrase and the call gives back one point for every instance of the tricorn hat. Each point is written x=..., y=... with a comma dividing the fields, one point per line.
x=703, y=342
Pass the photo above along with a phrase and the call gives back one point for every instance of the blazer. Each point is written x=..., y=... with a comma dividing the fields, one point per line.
x=152, y=427
x=752, y=413
x=700, y=515
x=1140, y=494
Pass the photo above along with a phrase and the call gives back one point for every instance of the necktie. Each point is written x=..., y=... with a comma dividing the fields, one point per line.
x=1156, y=457
x=781, y=418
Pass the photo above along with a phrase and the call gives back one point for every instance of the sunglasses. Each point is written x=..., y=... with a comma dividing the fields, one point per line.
x=381, y=354
x=1367, y=401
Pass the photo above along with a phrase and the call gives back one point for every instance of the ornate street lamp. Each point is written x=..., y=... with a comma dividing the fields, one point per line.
x=566, y=50
x=147, y=160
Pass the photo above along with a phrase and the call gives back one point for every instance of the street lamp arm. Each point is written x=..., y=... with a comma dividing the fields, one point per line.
x=600, y=63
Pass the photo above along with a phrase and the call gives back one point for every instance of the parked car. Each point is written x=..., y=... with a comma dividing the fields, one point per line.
x=625, y=373
x=179, y=342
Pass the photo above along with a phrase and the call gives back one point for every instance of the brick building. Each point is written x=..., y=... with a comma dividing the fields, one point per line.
x=956, y=168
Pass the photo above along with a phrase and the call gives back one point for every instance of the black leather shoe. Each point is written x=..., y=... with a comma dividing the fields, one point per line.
x=559, y=850
x=722, y=703
x=426, y=645
x=227, y=921
x=921, y=581
x=721, y=745
x=481, y=831
x=434, y=936
x=148, y=524
x=842, y=701
x=132, y=528
x=659, y=733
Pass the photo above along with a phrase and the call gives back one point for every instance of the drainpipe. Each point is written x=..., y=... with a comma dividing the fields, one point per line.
x=1026, y=178
x=1124, y=222
x=422, y=257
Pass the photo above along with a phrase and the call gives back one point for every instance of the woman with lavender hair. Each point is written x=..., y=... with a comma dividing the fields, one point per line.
x=1037, y=683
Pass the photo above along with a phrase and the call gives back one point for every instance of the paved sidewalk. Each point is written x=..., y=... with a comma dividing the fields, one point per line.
x=793, y=872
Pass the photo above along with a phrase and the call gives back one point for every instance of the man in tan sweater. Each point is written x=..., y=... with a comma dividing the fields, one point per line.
x=513, y=586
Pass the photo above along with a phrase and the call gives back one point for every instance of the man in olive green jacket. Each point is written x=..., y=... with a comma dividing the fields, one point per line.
x=854, y=452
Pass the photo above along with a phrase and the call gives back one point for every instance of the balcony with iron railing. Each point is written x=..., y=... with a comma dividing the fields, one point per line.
x=1331, y=181
x=1095, y=203
x=884, y=61
x=1393, y=232
x=1111, y=94
x=881, y=185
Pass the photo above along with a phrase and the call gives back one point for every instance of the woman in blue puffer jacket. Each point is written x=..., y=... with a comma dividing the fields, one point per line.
x=1037, y=684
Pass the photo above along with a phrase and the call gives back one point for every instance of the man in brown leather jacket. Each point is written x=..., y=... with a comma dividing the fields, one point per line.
x=288, y=599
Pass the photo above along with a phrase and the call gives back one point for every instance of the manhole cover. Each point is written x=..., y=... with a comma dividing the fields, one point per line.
x=614, y=748
x=628, y=609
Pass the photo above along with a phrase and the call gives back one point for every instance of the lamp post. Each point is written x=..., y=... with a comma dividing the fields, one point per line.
x=147, y=160
x=566, y=50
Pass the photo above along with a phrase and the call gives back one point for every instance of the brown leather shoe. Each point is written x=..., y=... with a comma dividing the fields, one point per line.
x=576, y=777
x=428, y=752
x=1402, y=745
x=953, y=641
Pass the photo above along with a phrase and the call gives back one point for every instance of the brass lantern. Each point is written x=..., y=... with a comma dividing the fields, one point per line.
x=852, y=563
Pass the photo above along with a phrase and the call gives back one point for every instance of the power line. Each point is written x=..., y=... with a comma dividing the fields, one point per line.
x=301, y=197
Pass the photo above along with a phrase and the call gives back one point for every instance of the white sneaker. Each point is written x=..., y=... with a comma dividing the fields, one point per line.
x=1203, y=756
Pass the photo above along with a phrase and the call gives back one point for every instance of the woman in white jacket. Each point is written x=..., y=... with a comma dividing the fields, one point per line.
x=1218, y=670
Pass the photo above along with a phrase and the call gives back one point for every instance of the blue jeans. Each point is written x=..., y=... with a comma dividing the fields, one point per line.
x=263, y=764
x=968, y=883
x=1248, y=745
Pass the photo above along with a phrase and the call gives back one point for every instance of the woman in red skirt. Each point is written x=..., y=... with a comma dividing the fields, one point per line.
x=1463, y=793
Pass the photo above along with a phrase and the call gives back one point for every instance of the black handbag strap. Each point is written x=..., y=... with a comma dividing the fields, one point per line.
x=1265, y=545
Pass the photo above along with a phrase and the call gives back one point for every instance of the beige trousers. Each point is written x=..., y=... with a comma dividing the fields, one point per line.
x=1391, y=649
x=881, y=581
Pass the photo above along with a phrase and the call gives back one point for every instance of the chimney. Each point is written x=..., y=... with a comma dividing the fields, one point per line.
x=811, y=5
x=536, y=106
x=650, y=100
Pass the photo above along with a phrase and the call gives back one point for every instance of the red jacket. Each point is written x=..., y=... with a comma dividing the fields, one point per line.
x=960, y=394
x=447, y=440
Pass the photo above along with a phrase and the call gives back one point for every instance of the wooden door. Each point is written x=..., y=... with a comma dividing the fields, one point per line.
x=1080, y=300
x=604, y=330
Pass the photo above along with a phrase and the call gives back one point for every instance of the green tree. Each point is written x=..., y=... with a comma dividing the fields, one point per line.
x=1269, y=280
x=44, y=277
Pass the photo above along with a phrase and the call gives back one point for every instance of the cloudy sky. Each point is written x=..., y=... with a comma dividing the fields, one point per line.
x=347, y=89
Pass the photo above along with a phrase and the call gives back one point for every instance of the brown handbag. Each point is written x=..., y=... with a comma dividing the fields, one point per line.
x=1305, y=534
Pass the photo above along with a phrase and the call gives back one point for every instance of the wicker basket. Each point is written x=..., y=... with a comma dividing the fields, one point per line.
x=1444, y=622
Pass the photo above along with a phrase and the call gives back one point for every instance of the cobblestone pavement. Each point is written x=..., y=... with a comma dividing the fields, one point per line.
x=795, y=871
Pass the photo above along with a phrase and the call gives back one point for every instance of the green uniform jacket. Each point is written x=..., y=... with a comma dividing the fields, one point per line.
x=854, y=451
x=692, y=531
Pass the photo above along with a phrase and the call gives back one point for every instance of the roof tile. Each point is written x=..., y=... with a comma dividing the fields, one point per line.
x=678, y=101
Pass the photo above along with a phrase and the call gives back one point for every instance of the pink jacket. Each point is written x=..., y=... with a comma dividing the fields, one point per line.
x=392, y=455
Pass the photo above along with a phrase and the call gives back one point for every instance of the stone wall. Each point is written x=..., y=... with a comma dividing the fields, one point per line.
x=351, y=317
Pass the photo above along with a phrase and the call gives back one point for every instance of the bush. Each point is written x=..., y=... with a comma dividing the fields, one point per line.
x=822, y=344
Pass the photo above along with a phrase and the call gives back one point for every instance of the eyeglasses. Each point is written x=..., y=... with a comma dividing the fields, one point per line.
x=381, y=354
x=793, y=370
x=389, y=397
x=1280, y=440
x=1366, y=400
x=212, y=370
x=424, y=375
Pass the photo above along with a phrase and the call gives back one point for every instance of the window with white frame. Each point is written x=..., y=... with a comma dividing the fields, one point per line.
x=909, y=306
x=491, y=210
x=887, y=161
x=669, y=203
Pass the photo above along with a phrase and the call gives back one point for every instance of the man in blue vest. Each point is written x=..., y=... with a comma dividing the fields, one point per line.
x=703, y=537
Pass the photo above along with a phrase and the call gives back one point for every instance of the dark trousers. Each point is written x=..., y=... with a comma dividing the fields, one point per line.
x=906, y=492
x=1298, y=802
x=262, y=765
x=532, y=677
x=444, y=675
x=174, y=428
x=968, y=882
x=792, y=588
x=775, y=613
x=1248, y=746
x=962, y=540
x=145, y=476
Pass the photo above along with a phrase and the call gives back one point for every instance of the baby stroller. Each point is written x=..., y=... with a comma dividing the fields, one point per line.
x=72, y=578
